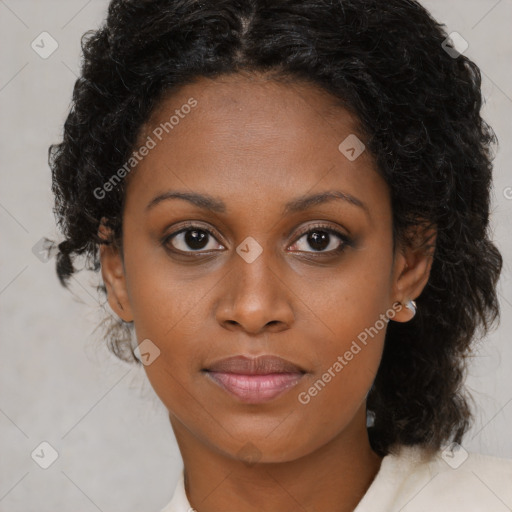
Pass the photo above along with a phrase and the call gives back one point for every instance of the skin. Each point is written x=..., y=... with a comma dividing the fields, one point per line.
x=256, y=144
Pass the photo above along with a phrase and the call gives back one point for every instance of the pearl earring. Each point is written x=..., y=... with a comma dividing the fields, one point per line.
x=411, y=305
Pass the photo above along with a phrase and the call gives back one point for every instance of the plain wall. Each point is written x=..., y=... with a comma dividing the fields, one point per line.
x=58, y=382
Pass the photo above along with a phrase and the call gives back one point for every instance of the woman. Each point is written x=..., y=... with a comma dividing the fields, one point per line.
x=289, y=204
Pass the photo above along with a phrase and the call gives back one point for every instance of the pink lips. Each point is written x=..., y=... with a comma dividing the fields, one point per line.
x=255, y=380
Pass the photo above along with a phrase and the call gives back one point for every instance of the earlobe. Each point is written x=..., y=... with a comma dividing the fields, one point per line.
x=412, y=271
x=112, y=271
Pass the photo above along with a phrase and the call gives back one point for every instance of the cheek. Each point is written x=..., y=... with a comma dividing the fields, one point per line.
x=352, y=297
x=160, y=292
x=170, y=304
x=349, y=353
x=351, y=306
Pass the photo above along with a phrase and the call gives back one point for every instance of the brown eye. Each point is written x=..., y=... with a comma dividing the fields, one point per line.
x=321, y=239
x=192, y=239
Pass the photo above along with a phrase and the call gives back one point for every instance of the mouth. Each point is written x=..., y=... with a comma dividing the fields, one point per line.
x=255, y=380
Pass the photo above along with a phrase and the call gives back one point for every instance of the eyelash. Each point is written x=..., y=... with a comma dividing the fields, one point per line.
x=345, y=240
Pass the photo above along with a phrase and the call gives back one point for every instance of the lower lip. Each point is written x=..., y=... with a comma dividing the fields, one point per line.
x=255, y=389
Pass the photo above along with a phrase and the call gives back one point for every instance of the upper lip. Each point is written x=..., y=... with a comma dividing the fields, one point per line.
x=261, y=365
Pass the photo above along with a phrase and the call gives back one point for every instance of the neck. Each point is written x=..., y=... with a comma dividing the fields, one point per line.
x=333, y=477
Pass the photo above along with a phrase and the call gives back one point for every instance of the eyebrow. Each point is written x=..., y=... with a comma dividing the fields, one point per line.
x=202, y=201
x=304, y=202
x=299, y=204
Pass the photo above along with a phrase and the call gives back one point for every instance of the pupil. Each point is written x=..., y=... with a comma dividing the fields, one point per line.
x=195, y=239
x=318, y=240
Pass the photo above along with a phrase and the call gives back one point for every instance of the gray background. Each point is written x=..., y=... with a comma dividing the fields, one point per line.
x=58, y=383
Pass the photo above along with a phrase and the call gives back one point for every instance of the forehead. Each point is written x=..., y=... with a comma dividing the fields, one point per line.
x=246, y=132
x=257, y=102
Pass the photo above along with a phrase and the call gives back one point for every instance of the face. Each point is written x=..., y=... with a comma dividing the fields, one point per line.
x=248, y=265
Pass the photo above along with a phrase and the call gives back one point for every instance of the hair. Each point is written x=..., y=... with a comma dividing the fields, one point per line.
x=418, y=107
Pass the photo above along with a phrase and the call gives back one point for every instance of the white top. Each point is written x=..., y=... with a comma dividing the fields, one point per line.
x=408, y=481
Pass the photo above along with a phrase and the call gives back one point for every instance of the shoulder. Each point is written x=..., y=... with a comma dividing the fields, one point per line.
x=453, y=479
x=472, y=480
x=179, y=501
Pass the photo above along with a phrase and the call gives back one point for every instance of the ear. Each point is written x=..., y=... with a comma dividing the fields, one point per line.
x=112, y=271
x=411, y=268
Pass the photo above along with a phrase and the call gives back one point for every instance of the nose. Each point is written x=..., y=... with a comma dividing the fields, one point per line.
x=255, y=298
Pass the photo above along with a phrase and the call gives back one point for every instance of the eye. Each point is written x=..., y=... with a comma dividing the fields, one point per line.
x=192, y=238
x=322, y=239
x=195, y=239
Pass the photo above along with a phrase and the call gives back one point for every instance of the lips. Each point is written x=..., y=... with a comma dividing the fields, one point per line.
x=261, y=365
x=255, y=380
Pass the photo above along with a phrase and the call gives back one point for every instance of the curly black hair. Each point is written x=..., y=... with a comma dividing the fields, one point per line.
x=419, y=108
